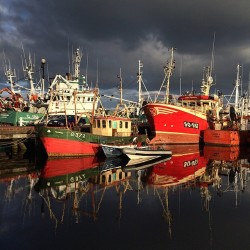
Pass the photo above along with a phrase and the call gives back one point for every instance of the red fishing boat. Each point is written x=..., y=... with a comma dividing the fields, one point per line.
x=182, y=121
x=74, y=142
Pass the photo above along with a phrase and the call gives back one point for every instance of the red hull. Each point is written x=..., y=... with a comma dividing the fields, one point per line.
x=61, y=147
x=226, y=137
x=175, y=125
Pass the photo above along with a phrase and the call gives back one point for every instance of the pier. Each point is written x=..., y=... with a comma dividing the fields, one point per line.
x=16, y=132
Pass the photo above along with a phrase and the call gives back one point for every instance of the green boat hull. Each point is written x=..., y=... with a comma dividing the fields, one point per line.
x=17, y=118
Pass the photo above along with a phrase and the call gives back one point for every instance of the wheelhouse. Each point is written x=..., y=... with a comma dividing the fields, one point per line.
x=111, y=126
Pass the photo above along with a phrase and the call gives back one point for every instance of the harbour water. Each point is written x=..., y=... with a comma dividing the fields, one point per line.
x=199, y=199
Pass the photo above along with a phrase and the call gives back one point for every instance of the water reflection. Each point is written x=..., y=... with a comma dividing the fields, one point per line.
x=77, y=188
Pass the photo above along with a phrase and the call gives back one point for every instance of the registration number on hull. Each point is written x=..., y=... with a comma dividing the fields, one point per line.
x=191, y=125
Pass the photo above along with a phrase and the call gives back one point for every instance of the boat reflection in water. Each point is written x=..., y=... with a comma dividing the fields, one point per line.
x=182, y=167
x=89, y=178
x=229, y=168
x=66, y=179
x=76, y=188
x=204, y=169
x=17, y=166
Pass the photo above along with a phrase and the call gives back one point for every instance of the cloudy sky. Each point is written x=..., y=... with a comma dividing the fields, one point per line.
x=115, y=34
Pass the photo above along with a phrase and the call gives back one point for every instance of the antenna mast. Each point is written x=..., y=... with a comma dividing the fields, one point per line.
x=97, y=75
x=120, y=77
x=168, y=69
x=237, y=84
x=139, y=75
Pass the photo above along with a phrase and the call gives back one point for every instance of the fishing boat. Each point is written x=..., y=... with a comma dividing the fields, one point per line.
x=103, y=128
x=13, y=110
x=181, y=120
x=71, y=141
x=230, y=126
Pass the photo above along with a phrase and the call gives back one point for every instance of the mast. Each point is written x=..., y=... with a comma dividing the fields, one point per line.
x=43, y=61
x=29, y=72
x=139, y=75
x=207, y=81
x=11, y=74
x=168, y=69
x=77, y=61
x=120, y=77
x=237, y=84
x=180, y=75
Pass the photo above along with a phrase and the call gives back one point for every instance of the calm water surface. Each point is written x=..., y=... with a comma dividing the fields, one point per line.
x=198, y=199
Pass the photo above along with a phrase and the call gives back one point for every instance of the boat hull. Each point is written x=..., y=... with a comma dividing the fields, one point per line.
x=172, y=124
x=63, y=147
x=18, y=118
x=226, y=137
x=63, y=142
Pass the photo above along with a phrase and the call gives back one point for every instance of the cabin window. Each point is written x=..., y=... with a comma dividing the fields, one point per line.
x=88, y=99
x=92, y=99
x=120, y=124
x=126, y=124
x=103, y=178
x=104, y=123
x=110, y=124
x=68, y=98
x=98, y=123
x=120, y=176
x=78, y=98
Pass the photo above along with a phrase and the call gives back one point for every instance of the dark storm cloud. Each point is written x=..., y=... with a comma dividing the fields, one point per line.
x=116, y=34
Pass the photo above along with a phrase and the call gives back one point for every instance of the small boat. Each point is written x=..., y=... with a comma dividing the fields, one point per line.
x=115, y=150
x=145, y=152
